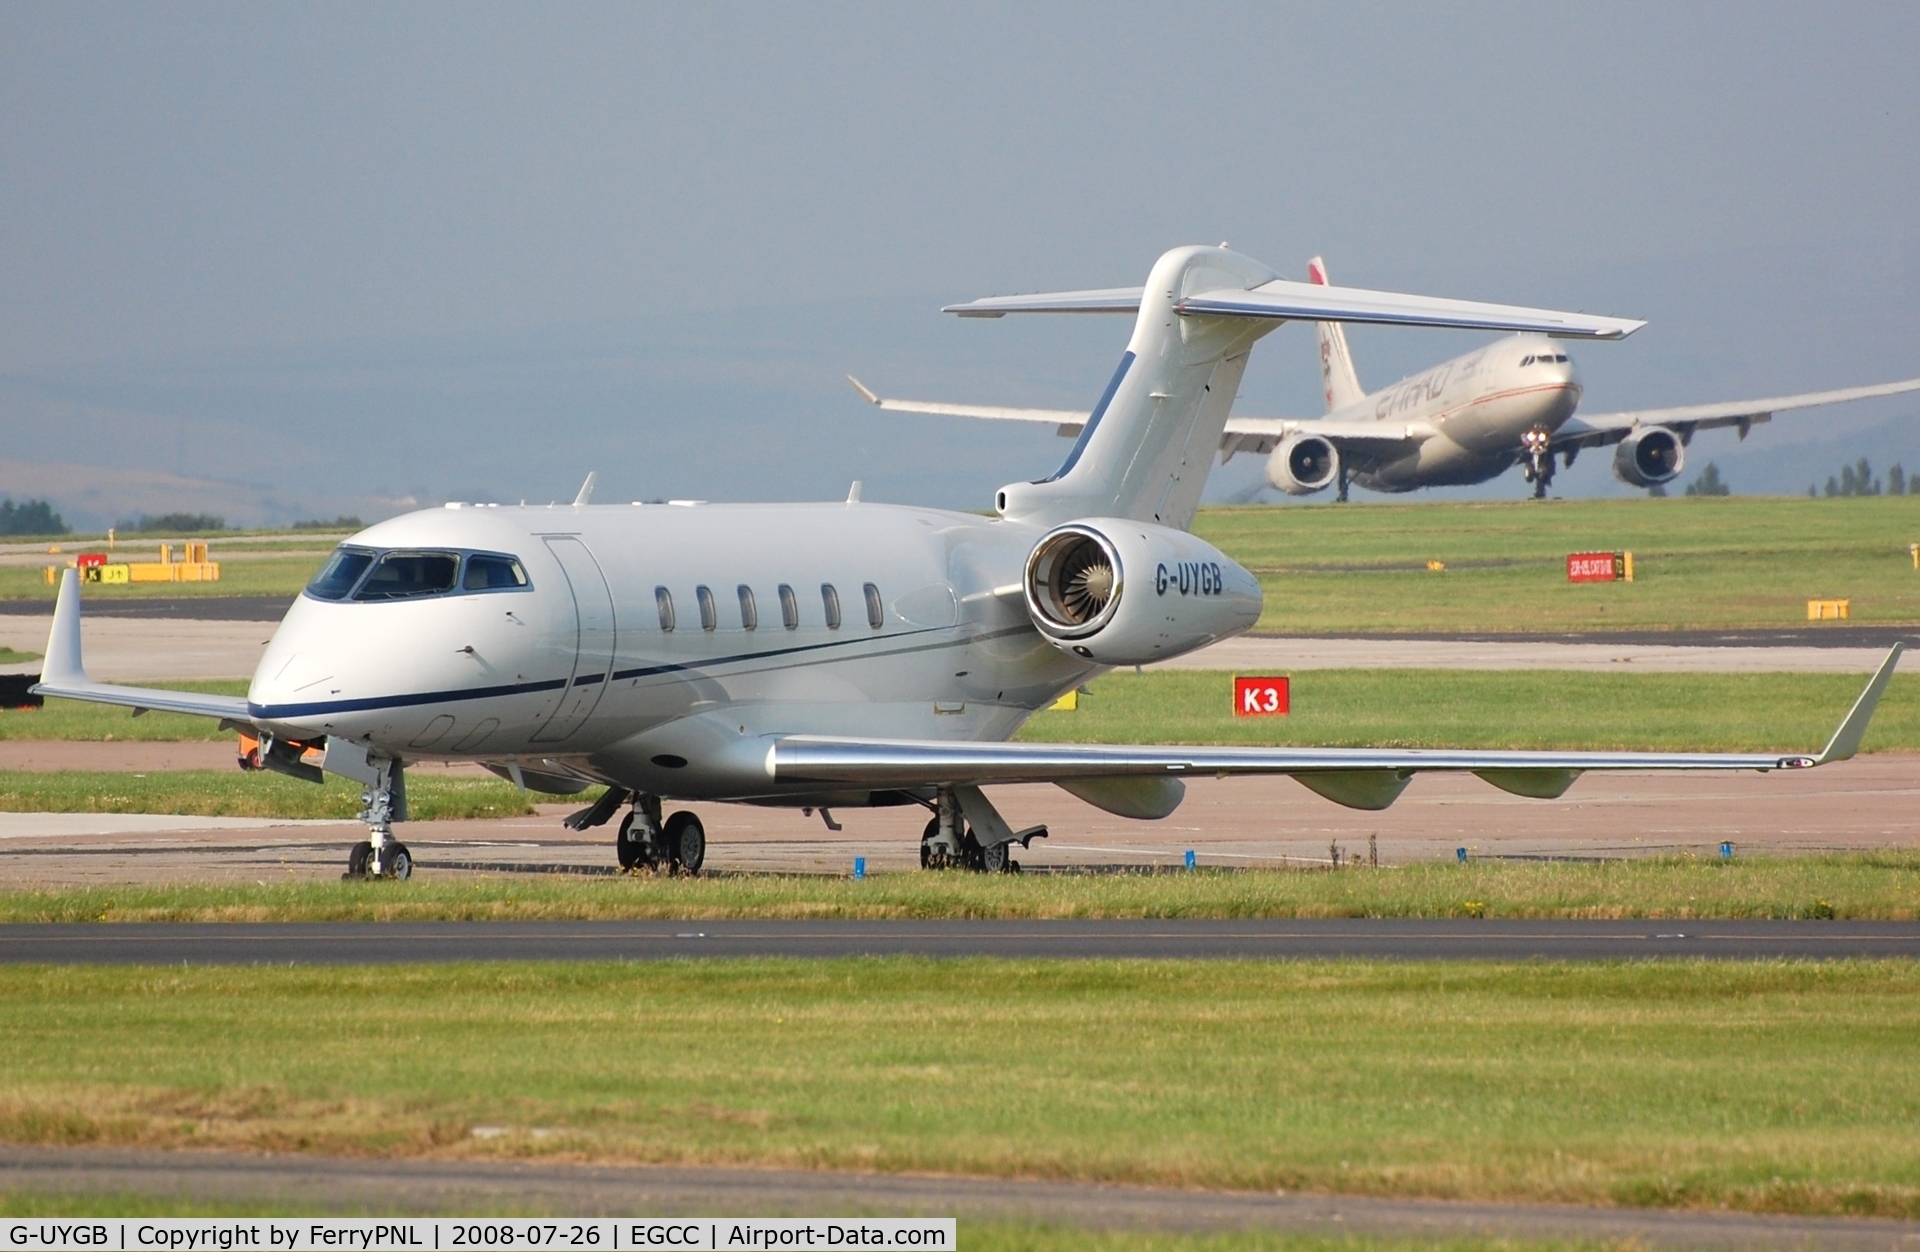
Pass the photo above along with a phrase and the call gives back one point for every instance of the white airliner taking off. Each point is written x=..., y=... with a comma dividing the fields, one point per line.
x=1464, y=421
x=837, y=654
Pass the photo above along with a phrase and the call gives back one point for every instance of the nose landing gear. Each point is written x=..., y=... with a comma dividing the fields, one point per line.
x=385, y=802
x=1539, y=467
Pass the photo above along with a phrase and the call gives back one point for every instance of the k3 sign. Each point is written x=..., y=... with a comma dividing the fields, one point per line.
x=1259, y=697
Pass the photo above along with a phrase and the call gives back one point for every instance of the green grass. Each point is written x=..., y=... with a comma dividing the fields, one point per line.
x=1741, y=561
x=204, y=793
x=1491, y=709
x=1771, y=1086
x=1877, y=885
x=74, y=720
x=9, y=656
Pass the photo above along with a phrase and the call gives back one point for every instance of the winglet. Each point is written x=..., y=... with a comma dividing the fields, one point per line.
x=585, y=494
x=1853, y=728
x=63, y=664
x=861, y=387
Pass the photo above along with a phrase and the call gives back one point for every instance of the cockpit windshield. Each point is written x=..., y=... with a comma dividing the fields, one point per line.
x=401, y=575
x=337, y=580
x=363, y=575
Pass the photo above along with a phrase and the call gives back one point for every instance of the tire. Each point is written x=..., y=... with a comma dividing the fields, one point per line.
x=686, y=842
x=357, y=858
x=996, y=860
x=399, y=862
x=627, y=848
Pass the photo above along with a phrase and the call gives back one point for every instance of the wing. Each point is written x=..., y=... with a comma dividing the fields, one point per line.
x=1365, y=778
x=1242, y=434
x=1596, y=429
x=1282, y=300
x=64, y=674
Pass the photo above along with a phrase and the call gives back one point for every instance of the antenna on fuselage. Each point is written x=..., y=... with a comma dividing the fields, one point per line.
x=853, y=492
x=586, y=490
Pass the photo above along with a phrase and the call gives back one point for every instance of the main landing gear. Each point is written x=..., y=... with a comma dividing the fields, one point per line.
x=677, y=844
x=384, y=802
x=967, y=832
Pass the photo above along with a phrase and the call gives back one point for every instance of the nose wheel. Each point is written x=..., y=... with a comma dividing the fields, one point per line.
x=380, y=855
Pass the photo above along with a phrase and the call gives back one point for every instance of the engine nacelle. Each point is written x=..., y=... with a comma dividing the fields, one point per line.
x=1650, y=456
x=1128, y=593
x=1303, y=464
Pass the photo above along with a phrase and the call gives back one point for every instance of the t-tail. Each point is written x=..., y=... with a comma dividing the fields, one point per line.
x=1337, y=377
x=1149, y=443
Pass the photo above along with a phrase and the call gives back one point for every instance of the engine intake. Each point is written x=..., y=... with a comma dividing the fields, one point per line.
x=1073, y=582
x=1120, y=592
x=1650, y=456
x=1303, y=464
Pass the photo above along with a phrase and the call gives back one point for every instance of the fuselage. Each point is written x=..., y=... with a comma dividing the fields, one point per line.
x=1464, y=420
x=659, y=646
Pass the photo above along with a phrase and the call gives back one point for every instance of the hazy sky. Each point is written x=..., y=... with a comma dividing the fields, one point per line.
x=340, y=250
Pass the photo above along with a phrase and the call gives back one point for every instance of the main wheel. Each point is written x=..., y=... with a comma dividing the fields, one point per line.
x=996, y=860
x=399, y=862
x=686, y=842
x=357, y=858
x=625, y=846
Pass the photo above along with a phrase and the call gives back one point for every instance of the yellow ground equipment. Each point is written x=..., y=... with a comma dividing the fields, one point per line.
x=194, y=567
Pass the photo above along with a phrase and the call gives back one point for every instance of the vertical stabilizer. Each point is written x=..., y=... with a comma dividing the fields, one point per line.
x=1150, y=442
x=1338, y=380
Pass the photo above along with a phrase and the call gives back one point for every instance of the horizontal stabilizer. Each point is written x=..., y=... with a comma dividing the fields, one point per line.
x=64, y=673
x=1282, y=300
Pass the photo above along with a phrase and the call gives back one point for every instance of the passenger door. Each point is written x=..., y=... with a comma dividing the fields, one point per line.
x=593, y=655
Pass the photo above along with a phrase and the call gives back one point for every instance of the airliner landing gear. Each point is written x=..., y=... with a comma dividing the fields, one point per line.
x=385, y=801
x=1341, y=477
x=1539, y=467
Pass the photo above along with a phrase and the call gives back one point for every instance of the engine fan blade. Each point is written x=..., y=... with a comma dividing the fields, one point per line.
x=1089, y=590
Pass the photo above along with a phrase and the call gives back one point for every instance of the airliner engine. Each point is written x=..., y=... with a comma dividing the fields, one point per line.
x=1126, y=593
x=1303, y=464
x=1649, y=456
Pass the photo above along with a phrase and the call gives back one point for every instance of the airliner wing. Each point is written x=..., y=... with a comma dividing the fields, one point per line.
x=1282, y=300
x=1242, y=434
x=1367, y=778
x=1596, y=429
x=63, y=673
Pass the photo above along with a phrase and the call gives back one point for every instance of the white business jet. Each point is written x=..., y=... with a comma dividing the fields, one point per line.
x=825, y=655
x=1464, y=421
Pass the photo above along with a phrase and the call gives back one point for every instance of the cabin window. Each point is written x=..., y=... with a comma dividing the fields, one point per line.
x=749, y=613
x=492, y=573
x=404, y=575
x=663, y=600
x=876, y=612
x=830, y=601
x=341, y=573
x=789, y=608
x=709, y=616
